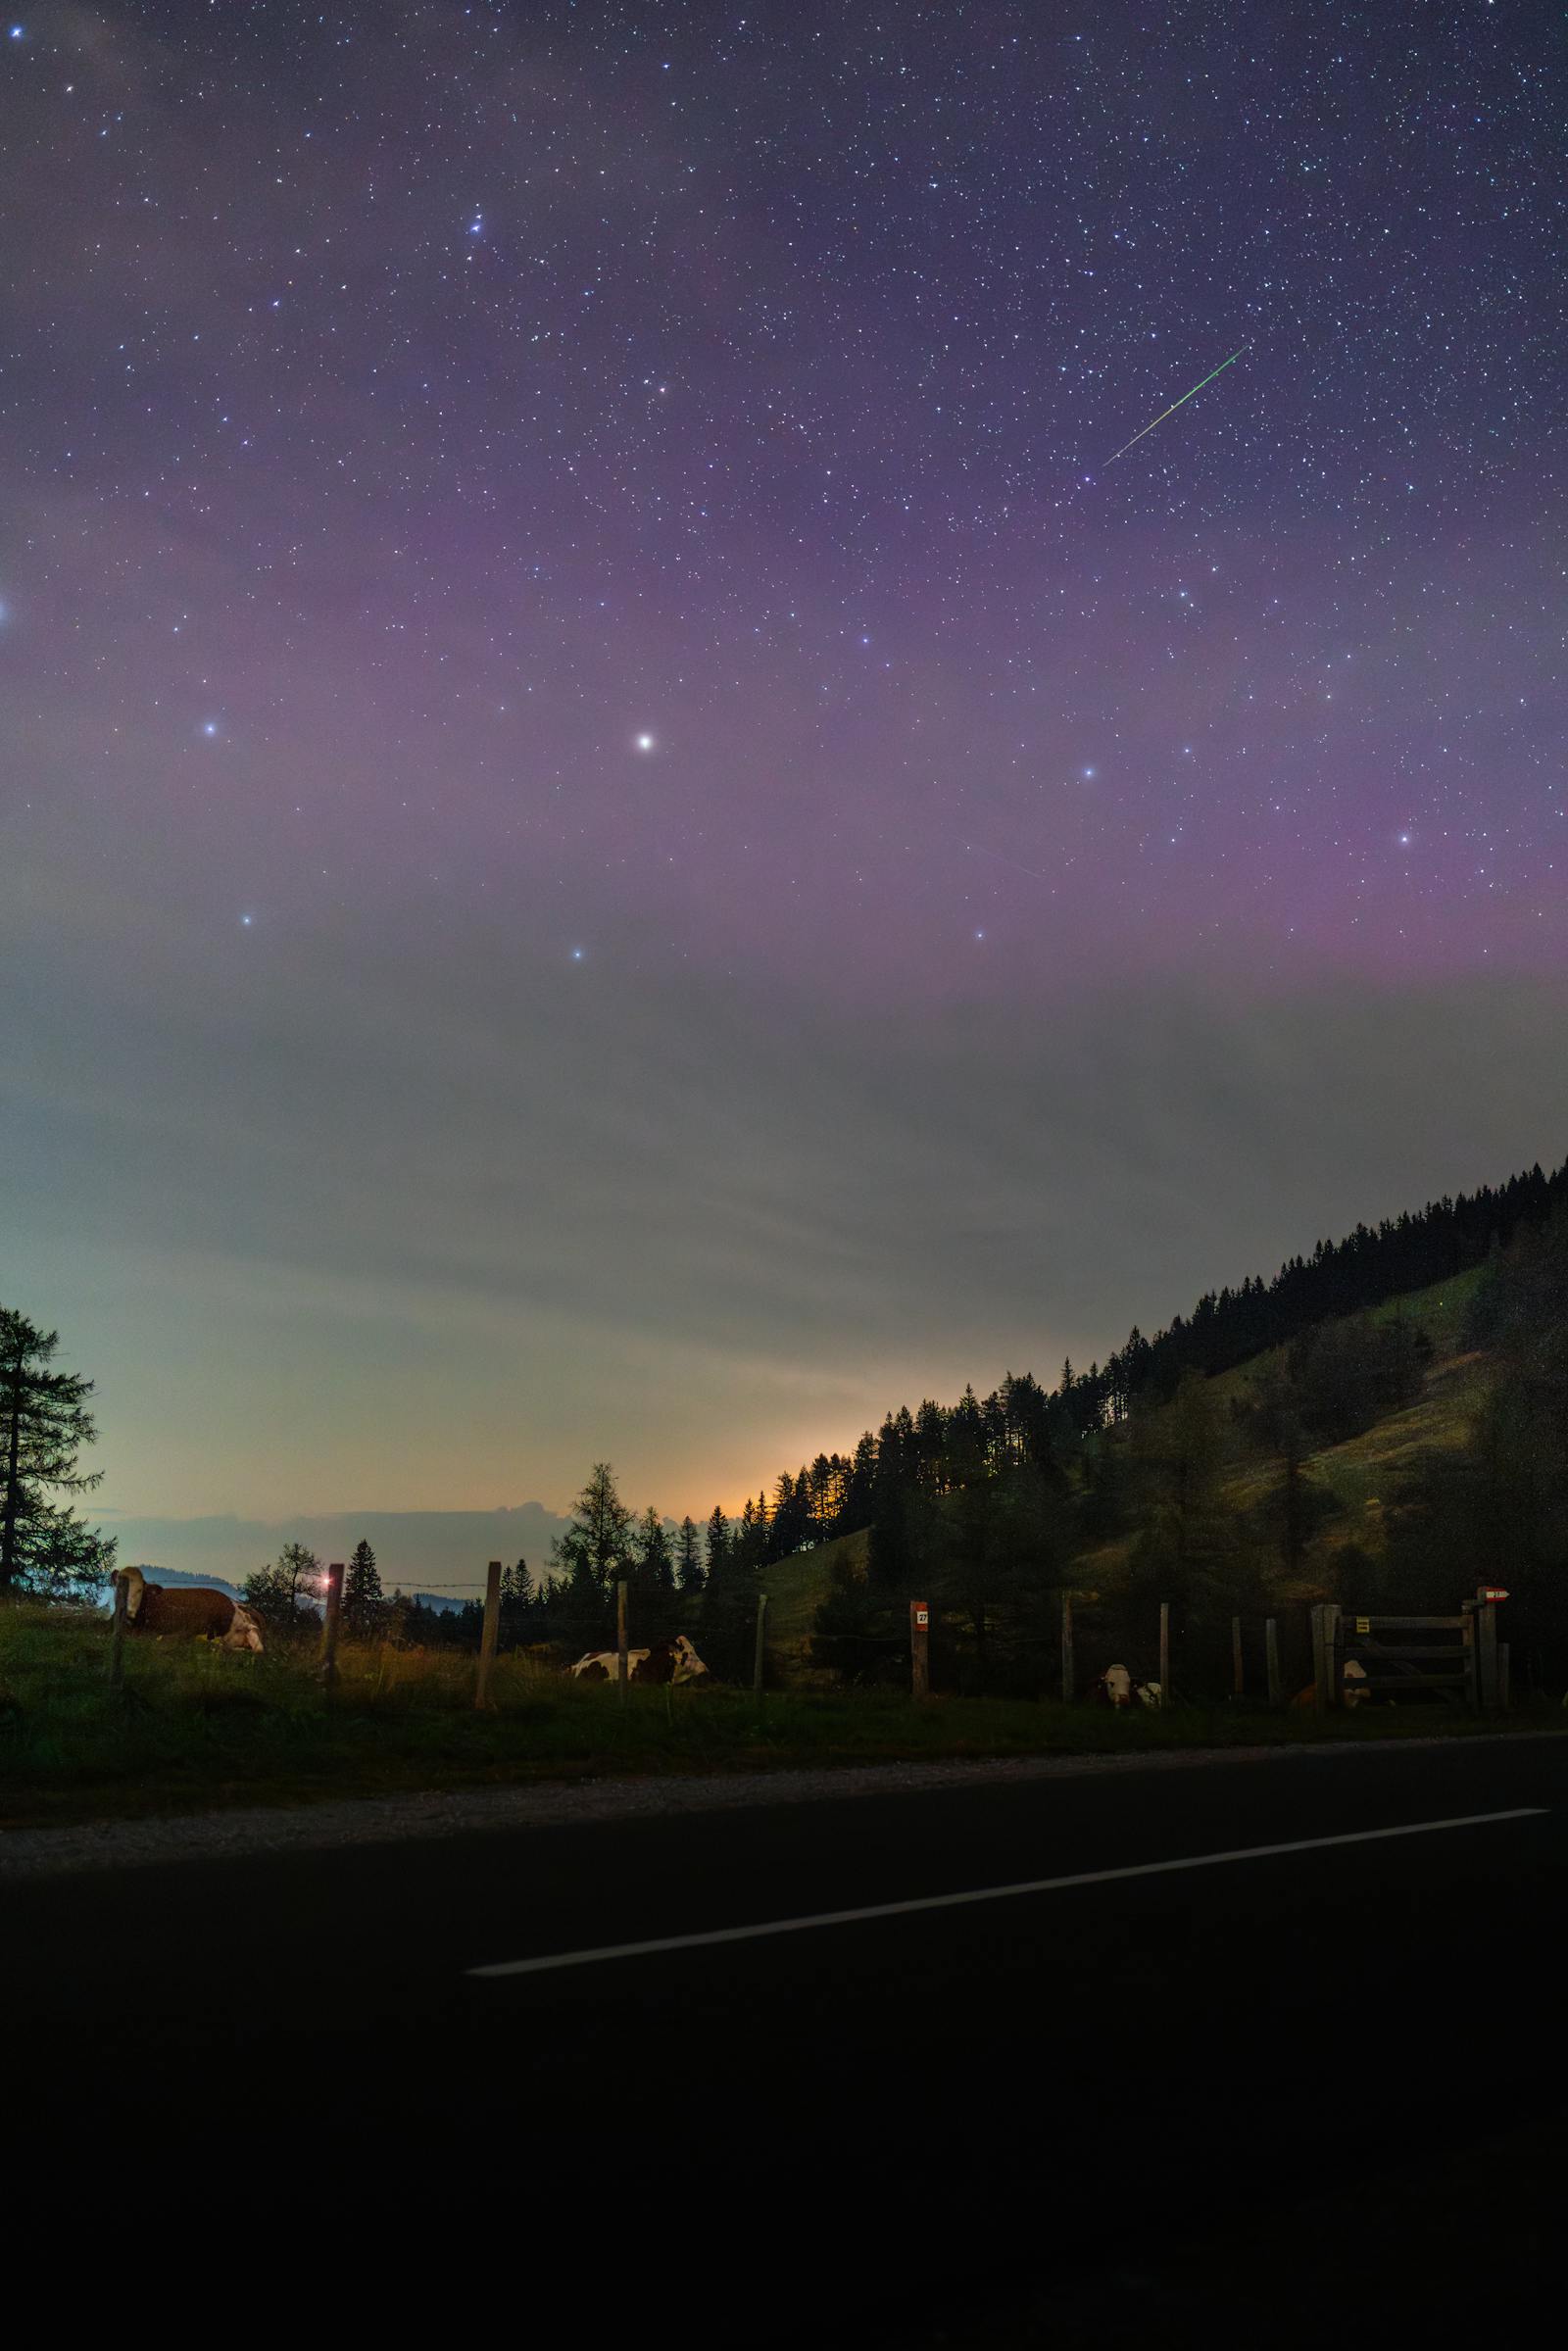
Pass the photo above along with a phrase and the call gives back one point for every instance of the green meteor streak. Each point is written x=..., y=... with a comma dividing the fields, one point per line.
x=1176, y=403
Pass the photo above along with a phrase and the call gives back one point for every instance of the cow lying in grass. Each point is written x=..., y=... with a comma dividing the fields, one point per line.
x=190, y=1612
x=666, y=1661
x=1353, y=1687
x=1116, y=1688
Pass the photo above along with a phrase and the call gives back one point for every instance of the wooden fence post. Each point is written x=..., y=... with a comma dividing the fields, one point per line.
x=1486, y=1651
x=1320, y=1663
x=1333, y=1647
x=330, y=1620
x=1271, y=1659
x=759, y=1655
x=1502, y=1676
x=1069, y=1679
x=1238, y=1663
x=1164, y=1654
x=920, y=1650
x=622, y=1661
x=117, y=1636
x=490, y=1635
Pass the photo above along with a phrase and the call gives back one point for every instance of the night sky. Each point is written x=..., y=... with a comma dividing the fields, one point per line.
x=623, y=834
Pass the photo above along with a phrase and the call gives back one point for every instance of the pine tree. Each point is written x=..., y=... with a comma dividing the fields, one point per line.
x=591, y=1557
x=689, y=1557
x=860, y=1485
x=792, y=1504
x=283, y=1596
x=517, y=1605
x=598, y=1539
x=44, y=1423
x=653, y=1580
x=364, y=1603
x=655, y=1561
x=729, y=1603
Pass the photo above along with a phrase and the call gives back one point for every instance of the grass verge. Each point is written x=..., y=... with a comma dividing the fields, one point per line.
x=196, y=1730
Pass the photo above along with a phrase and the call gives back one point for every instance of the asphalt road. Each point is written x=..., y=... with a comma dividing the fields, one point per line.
x=906, y=2118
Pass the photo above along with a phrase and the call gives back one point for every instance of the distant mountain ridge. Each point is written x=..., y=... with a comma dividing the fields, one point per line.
x=439, y=1553
x=156, y=1572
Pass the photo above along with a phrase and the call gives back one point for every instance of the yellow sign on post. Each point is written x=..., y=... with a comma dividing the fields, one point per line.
x=1363, y=1624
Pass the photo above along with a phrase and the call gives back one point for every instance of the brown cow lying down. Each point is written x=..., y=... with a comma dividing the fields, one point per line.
x=189, y=1611
x=1354, y=1674
x=666, y=1661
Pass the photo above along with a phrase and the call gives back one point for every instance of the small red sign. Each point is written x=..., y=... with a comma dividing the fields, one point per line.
x=1493, y=1592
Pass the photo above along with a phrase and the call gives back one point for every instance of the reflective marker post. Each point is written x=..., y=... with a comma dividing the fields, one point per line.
x=920, y=1650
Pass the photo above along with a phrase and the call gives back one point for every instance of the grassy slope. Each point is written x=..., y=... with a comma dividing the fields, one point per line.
x=1360, y=1473
x=796, y=1588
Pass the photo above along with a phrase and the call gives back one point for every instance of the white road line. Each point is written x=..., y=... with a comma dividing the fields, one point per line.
x=985, y=1893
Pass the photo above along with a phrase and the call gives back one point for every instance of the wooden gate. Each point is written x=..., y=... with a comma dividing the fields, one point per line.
x=1459, y=1658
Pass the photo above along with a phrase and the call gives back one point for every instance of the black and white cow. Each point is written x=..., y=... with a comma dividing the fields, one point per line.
x=666, y=1661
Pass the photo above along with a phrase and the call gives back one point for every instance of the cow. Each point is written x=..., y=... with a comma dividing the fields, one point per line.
x=1116, y=1688
x=1353, y=1687
x=190, y=1612
x=666, y=1661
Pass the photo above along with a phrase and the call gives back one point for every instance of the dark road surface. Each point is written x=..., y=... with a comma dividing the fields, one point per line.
x=901, y=2123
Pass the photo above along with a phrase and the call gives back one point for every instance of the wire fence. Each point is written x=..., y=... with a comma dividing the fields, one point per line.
x=1115, y=1649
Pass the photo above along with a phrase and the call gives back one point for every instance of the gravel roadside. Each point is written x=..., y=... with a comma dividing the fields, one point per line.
x=393, y=1820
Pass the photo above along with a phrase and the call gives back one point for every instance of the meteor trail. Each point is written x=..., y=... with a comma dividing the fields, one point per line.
x=1176, y=403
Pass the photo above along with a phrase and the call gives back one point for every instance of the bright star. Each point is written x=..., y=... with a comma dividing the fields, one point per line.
x=645, y=742
x=209, y=726
x=246, y=920
x=576, y=955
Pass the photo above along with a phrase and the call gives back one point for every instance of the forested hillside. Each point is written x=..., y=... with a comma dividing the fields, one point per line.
x=1385, y=1442
x=940, y=1448
x=1383, y=1421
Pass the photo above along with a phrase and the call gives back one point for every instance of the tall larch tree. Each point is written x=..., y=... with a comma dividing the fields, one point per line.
x=44, y=1425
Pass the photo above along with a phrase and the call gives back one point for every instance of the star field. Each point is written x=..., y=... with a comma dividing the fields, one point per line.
x=435, y=388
